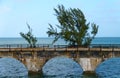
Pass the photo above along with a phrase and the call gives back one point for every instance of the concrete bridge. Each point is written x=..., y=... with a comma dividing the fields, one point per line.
x=34, y=58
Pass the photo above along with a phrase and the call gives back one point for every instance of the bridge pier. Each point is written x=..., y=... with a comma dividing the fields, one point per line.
x=89, y=64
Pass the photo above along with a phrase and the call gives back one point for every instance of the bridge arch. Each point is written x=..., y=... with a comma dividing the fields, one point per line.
x=109, y=68
x=107, y=60
x=62, y=65
x=12, y=67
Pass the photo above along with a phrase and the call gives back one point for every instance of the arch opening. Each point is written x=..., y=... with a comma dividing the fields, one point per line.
x=10, y=67
x=109, y=68
x=62, y=66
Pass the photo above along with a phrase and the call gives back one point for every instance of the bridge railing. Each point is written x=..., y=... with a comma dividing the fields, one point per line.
x=58, y=46
x=105, y=45
x=22, y=45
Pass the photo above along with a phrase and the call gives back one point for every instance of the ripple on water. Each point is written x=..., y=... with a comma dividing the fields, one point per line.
x=109, y=68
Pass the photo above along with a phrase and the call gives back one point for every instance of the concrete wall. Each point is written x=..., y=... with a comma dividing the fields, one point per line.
x=89, y=64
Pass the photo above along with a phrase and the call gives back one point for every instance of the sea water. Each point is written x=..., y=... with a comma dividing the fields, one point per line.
x=98, y=40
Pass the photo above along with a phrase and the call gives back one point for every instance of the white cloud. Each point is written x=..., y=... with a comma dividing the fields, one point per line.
x=4, y=9
x=21, y=0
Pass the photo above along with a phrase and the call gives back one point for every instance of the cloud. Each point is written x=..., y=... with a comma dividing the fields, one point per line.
x=21, y=0
x=4, y=9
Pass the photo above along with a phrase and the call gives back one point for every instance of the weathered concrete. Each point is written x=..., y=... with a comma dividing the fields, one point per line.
x=34, y=64
x=89, y=64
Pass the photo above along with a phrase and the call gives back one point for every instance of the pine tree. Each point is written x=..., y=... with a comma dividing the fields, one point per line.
x=73, y=27
x=29, y=37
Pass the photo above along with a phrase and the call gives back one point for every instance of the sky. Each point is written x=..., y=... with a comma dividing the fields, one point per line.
x=14, y=14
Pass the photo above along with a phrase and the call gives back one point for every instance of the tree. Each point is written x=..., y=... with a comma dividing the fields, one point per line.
x=29, y=37
x=72, y=27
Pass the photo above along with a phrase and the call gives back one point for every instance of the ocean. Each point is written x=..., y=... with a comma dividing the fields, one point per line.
x=97, y=40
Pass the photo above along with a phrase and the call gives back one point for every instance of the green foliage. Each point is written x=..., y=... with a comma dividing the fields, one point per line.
x=29, y=37
x=72, y=27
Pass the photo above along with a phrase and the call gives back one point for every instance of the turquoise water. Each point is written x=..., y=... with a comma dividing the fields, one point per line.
x=87, y=75
x=106, y=40
x=98, y=40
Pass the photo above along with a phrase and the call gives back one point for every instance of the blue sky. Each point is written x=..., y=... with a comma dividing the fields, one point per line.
x=39, y=13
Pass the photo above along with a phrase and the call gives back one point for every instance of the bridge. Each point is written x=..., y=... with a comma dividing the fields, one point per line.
x=34, y=58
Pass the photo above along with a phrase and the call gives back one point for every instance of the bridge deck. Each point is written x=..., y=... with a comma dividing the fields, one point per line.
x=59, y=49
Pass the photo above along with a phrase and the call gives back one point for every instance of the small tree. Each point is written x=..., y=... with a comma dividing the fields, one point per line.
x=29, y=37
x=72, y=27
